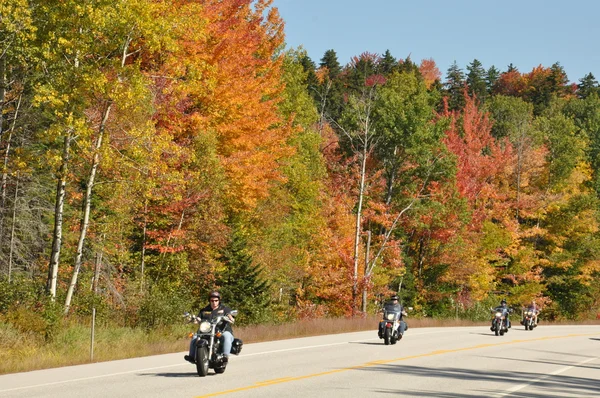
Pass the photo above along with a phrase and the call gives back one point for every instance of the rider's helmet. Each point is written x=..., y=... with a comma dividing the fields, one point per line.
x=394, y=297
x=214, y=294
x=503, y=303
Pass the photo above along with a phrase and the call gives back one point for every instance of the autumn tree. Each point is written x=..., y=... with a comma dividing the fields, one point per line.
x=482, y=164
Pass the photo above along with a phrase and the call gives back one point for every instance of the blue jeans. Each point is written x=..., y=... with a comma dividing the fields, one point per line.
x=226, y=340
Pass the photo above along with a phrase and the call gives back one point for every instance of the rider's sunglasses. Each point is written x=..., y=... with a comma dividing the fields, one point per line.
x=214, y=299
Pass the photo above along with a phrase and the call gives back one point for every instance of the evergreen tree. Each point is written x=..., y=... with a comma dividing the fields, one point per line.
x=476, y=80
x=587, y=85
x=241, y=282
x=491, y=77
x=408, y=66
x=311, y=81
x=454, y=86
x=330, y=61
x=387, y=64
x=330, y=91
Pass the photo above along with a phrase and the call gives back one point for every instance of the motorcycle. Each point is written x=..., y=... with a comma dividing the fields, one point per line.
x=389, y=327
x=529, y=319
x=499, y=323
x=209, y=347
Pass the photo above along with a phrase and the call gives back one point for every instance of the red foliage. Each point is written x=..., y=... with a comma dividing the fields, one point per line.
x=481, y=160
x=511, y=83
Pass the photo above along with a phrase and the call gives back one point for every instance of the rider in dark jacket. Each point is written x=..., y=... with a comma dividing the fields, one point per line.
x=395, y=306
x=503, y=307
x=212, y=310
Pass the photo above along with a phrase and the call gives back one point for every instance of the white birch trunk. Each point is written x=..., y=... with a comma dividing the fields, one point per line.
x=58, y=219
x=86, y=212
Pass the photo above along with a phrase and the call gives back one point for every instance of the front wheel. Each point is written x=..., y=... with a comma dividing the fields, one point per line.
x=394, y=338
x=386, y=336
x=202, y=360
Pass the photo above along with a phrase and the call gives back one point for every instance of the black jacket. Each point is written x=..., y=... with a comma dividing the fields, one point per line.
x=208, y=313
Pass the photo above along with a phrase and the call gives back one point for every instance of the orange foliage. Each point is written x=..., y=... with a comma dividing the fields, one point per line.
x=511, y=83
x=429, y=71
x=241, y=107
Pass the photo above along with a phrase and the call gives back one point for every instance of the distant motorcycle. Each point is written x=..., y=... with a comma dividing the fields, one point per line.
x=529, y=319
x=209, y=348
x=389, y=327
x=499, y=323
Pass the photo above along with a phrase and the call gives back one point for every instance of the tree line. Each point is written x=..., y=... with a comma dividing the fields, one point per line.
x=155, y=150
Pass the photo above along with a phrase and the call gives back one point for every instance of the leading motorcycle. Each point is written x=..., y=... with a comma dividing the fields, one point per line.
x=389, y=327
x=499, y=323
x=209, y=347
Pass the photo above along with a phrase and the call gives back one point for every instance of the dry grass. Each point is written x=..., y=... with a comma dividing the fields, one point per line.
x=316, y=327
x=71, y=346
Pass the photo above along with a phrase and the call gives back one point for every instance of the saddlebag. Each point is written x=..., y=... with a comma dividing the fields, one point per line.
x=236, y=347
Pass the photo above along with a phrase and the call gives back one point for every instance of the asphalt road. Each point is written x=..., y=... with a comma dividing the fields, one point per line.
x=550, y=361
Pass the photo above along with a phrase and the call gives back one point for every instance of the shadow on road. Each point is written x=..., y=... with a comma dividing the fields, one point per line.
x=548, y=387
x=559, y=363
x=366, y=342
x=175, y=374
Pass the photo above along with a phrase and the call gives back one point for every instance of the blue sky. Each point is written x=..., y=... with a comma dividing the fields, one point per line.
x=526, y=33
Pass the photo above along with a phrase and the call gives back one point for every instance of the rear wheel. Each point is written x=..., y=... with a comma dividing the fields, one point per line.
x=202, y=361
x=386, y=335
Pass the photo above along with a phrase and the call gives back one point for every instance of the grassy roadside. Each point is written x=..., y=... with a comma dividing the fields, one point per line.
x=71, y=346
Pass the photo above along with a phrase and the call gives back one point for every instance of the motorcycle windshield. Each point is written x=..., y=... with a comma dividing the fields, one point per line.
x=391, y=311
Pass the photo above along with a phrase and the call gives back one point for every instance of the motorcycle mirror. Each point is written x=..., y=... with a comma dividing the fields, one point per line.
x=234, y=312
x=410, y=308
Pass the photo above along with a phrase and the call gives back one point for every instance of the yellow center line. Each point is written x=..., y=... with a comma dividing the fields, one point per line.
x=382, y=362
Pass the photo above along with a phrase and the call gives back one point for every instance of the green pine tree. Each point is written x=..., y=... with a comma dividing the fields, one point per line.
x=587, y=85
x=491, y=77
x=387, y=64
x=476, y=80
x=454, y=85
x=241, y=282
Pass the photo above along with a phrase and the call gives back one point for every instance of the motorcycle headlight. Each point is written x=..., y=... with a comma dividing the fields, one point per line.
x=390, y=317
x=204, y=327
x=498, y=314
x=529, y=313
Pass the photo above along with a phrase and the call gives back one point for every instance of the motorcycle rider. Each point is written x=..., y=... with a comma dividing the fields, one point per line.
x=212, y=310
x=535, y=309
x=394, y=305
x=503, y=307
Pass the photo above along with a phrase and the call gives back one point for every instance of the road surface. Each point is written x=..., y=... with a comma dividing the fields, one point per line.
x=550, y=361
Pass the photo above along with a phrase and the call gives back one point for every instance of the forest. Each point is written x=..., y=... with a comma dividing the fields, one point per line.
x=154, y=150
